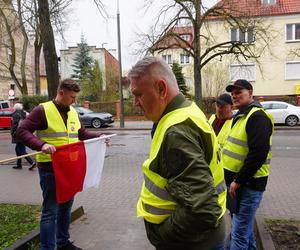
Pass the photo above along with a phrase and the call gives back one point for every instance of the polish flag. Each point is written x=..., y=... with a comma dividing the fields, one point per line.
x=78, y=166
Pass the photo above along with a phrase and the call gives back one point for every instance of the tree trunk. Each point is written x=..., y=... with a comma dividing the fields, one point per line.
x=197, y=50
x=49, y=50
x=37, y=53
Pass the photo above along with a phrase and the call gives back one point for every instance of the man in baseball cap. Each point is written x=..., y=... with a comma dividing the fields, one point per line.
x=241, y=84
x=246, y=159
x=222, y=120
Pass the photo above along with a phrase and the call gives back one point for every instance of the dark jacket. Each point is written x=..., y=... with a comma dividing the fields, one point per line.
x=183, y=159
x=17, y=117
x=259, y=129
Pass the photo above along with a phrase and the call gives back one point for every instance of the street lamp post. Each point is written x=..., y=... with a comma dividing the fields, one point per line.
x=120, y=69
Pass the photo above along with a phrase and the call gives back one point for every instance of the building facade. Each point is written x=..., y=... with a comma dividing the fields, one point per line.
x=276, y=72
x=107, y=62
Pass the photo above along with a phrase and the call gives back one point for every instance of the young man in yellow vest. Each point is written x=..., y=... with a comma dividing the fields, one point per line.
x=56, y=123
x=222, y=120
x=183, y=195
x=246, y=155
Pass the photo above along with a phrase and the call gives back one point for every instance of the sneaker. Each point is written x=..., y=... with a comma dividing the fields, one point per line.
x=69, y=246
x=33, y=165
x=17, y=167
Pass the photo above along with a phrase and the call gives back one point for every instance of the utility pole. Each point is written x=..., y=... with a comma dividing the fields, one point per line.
x=120, y=69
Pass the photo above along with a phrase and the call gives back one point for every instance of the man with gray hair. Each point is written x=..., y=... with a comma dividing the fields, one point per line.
x=183, y=195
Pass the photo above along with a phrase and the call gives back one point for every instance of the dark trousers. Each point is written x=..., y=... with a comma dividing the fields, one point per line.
x=56, y=218
x=21, y=150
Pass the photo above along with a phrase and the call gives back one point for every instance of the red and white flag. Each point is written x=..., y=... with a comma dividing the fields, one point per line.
x=78, y=166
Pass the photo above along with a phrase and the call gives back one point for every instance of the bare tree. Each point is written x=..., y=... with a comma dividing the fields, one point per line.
x=58, y=15
x=205, y=46
x=38, y=20
x=11, y=30
x=48, y=41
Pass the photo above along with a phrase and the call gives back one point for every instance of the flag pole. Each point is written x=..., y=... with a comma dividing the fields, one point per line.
x=20, y=157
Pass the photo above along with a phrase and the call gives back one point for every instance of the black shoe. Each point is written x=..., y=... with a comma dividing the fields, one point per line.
x=17, y=167
x=33, y=165
x=69, y=246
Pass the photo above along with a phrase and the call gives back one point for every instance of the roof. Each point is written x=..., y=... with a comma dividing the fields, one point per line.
x=169, y=40
x=253, y=8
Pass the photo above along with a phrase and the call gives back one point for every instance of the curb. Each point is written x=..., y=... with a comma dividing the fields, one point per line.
x=124, y=129
x=263, y=237
x=34, y=237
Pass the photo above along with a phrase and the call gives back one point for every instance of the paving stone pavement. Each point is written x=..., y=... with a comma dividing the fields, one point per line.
x=110, y=221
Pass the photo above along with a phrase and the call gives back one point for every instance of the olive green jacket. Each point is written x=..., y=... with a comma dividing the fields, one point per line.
x=183, y=160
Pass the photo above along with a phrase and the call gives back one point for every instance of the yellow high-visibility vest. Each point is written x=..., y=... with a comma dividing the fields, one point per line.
x=155, y=204
x=57, y=133
x=225, y=130
x=236, y=148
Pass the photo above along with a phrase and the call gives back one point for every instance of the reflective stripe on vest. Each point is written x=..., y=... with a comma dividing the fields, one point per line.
x=155, y=203
x=57, y=133
x=225, y=130
x=236, y=148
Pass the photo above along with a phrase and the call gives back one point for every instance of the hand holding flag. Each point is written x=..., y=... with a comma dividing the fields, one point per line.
x=78, y=166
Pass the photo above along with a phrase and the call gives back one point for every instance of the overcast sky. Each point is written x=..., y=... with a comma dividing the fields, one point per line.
x=85, y=19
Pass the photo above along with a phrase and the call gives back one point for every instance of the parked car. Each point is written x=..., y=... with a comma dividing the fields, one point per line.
x=6, y=117
x=5, y=114
x=283, y=113
x=95, y=120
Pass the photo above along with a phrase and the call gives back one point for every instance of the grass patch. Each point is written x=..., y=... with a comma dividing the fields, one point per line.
x=16, y=222
x=285, y=233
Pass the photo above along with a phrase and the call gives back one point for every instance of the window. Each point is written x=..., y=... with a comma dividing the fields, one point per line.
x=242, y=71
x=184, y=59
x=279, y=106
x=167, y=58
x=267, y=106
x=268, y=2
x=293, y=32
x=186, y=37
x=237, y=35
x=292, y=70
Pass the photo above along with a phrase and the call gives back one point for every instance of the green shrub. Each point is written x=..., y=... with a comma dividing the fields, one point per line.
x=29, y=102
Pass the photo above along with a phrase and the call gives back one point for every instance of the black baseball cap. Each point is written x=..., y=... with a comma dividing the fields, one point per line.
x=241, y=83
x=224, y=99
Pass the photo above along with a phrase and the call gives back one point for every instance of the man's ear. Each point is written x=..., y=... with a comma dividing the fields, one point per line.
x=162, y=88
x=251, y=92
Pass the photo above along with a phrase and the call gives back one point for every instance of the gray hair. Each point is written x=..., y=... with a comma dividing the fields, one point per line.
x=155, y=66
x=18, y=106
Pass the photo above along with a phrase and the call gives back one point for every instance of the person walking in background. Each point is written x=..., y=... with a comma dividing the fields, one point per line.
x=222, y=120
x=17, y=117
x=56, y=123
x=247, y=156
x=183, y=195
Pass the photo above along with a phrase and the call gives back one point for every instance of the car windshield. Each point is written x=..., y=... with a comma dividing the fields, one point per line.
x=84, y=110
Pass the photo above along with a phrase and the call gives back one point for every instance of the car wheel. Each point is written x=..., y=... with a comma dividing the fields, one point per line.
x=96, y=123
x=291, y=120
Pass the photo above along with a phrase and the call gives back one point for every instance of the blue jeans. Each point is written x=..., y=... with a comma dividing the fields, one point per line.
x=242, y=235
x=21, y=150
x=56, y=218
